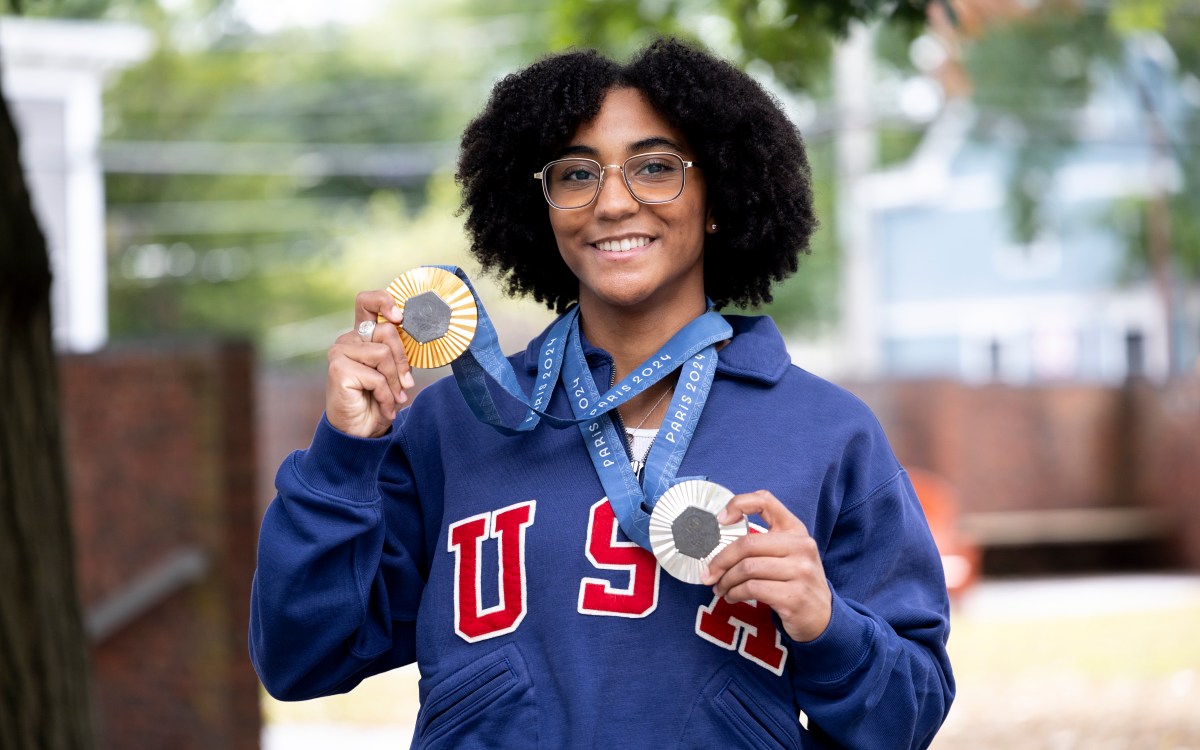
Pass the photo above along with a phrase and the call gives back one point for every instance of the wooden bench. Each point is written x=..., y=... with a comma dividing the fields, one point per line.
x=1065, y=526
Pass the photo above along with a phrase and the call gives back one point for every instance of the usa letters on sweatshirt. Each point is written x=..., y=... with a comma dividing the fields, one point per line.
x=630, y=590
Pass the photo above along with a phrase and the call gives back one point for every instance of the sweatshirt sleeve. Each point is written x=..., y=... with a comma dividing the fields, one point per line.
x=879, y=676
x=340, y=567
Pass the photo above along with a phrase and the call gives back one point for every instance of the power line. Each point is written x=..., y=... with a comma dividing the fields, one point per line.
x=396, y=163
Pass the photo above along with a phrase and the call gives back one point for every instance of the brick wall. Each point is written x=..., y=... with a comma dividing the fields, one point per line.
x=161, y=454
x=1006, y=448
x=1164, y=452
x=1061, y=447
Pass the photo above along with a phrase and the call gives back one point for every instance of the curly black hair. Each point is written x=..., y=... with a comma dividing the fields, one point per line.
x=735, y=127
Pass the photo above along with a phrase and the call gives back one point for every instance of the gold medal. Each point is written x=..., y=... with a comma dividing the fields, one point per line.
x=684, y=532
x=439, y=315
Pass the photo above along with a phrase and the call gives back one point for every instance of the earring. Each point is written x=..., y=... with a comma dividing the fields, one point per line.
x=714, y=227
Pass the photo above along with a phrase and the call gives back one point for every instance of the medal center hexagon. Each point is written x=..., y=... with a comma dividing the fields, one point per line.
x=696, y=533
x=426, y=317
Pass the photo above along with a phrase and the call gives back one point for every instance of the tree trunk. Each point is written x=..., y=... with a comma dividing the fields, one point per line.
x=44, y=684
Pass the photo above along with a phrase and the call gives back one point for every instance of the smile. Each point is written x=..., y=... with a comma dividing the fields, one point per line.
x=624, y=245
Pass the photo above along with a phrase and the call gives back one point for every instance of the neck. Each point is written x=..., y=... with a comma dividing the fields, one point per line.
x=631, y=334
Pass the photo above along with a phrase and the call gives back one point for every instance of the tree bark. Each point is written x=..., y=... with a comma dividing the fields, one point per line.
x=44, y=682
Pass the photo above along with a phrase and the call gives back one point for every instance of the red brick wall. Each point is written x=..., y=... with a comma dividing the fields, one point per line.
x=1054, y=447
x=289, y=406
x=1006, y=448
x=1165, y=454
x=161, y=454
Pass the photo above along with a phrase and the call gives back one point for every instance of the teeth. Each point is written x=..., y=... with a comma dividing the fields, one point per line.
x=623, y=246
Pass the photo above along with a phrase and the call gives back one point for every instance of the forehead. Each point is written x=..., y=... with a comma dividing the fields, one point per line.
x=627, y=123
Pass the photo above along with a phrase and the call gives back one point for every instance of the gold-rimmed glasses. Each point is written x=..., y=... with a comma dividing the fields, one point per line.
x=656, y=177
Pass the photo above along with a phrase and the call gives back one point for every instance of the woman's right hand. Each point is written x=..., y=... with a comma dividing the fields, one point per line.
x=368, y=379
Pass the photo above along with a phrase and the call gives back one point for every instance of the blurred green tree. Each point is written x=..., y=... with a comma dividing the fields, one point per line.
x=788, y=44
x=235, y=170
x=1035, y=73
x=795, y=38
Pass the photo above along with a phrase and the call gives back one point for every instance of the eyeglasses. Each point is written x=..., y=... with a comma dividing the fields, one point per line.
x=651, y=178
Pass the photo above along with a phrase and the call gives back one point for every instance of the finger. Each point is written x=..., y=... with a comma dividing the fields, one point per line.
x=764, y=504
x=803, y=601
x=400, y=356
x=358, y=399
x=379, y=356
x=748, y=553
x=353, y=376
x=775, y=594
x=786, y=557
x=783, y=532
x=373, y=306
x=375, y=303
x=389, y=335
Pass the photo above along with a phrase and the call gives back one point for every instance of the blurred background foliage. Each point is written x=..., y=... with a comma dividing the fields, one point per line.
x=260, y=173
x=1031, y=79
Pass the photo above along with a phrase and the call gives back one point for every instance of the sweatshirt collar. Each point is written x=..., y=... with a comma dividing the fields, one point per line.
x=756, y=352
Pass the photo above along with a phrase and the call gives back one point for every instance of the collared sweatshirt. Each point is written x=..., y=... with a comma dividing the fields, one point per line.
x=496, y=564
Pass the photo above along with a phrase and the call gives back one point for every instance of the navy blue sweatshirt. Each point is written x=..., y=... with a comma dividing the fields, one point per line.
x=496, y=564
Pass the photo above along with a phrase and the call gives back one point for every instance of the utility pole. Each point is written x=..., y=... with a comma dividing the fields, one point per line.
x=855, y=153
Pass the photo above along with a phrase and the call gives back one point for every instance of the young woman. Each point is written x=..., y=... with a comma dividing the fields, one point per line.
x=632, y=198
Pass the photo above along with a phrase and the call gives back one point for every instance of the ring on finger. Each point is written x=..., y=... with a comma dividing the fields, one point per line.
x=366, y=329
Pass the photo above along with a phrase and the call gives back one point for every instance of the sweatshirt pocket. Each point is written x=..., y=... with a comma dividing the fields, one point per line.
x=487, y=704
x=731, y=713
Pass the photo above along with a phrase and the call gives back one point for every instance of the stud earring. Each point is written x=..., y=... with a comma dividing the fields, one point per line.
x=714, y=227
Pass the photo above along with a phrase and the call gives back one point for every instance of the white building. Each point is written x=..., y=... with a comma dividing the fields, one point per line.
x=955, y=295
x=53, y=77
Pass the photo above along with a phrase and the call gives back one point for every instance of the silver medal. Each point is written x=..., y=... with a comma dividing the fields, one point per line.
x=684, y=532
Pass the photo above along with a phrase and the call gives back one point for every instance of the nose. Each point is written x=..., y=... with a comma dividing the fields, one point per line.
x=614, y=200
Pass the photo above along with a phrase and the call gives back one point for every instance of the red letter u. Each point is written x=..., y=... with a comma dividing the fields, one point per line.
x=472, y=621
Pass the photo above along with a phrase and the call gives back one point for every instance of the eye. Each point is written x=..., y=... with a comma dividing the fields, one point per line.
x=656, y=168
x=576, y=172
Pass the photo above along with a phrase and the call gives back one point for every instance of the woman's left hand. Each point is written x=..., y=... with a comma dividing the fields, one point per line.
x=780, y=568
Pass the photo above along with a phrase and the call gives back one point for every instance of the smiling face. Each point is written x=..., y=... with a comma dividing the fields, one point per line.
x=630, y=256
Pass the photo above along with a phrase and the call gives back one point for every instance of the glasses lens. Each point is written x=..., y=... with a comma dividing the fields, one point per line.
x=655, y=178
x=571, y=183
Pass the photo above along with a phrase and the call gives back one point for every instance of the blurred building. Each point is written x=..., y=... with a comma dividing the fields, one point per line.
x=956, y=295
x=53, y=76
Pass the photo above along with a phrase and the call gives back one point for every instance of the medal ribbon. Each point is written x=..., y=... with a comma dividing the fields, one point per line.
x=692, y=351
x=484, y=360
x=632, y=502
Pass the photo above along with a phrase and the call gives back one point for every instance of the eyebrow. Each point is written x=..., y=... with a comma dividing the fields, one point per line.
x=653, y=142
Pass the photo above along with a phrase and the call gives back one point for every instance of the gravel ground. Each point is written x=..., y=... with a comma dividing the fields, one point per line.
x=1096, y=663
x=1100, y=663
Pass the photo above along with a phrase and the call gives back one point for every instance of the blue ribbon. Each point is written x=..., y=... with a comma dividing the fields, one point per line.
x=692, y=351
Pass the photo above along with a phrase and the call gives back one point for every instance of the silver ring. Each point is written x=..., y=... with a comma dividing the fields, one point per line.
x=366, y=329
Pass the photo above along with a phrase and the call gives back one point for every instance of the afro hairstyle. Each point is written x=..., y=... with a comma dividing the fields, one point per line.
x=735, y=127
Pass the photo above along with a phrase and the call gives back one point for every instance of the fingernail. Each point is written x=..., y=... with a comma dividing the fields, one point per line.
x=407, y=380
x=397, y=315
x=723, y=517
x=403, y=397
